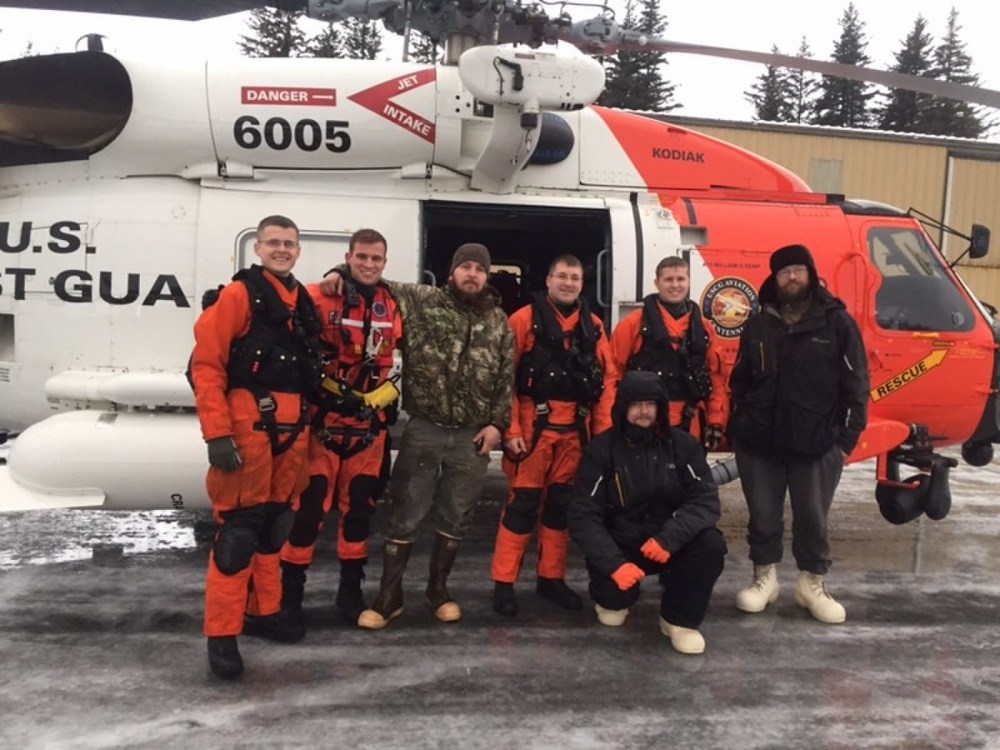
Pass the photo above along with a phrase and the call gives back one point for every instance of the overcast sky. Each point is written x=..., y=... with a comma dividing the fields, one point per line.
x=706, y=87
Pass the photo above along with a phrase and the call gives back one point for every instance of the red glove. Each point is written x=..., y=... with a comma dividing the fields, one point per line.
x=627, y=576
x=653, y=550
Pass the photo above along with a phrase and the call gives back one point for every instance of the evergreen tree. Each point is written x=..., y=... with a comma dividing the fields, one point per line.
x=904, y=109
x=951, y=63
x=802, y=87
x=328, y=43
x=275, y=33
x=362, y=39
x=634, y=80
x=423, y=49
x=771, y=95
x=843, y=102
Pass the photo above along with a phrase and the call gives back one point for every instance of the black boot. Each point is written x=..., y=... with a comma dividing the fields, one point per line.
x=445, y=608
x=388, y=603
x=557, y=592
x=224, y=657
x=350, y=600
x=504, y=601
x=293, y=585
x=282, y=627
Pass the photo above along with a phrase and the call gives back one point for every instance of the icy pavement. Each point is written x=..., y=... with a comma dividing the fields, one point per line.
x=100, y=646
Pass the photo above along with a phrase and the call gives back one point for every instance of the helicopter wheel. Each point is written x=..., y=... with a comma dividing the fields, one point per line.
x=977, y=454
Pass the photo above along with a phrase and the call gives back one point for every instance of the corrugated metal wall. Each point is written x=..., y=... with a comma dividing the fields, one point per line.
x=955, y=180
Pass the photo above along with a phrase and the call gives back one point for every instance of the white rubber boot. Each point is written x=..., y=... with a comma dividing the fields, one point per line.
x=613, y=618
x=684, y=640
x=760, y=593
x=811, y=594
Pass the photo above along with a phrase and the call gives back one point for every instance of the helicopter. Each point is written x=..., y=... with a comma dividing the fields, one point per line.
x=128, y=188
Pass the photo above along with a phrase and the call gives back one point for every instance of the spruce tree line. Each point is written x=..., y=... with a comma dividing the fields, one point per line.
x=635, y=80
x=783, y=95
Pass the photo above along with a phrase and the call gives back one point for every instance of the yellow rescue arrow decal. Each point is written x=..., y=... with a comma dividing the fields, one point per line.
x=908, y=375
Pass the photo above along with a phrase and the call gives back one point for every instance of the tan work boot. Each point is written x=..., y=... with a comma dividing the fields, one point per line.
x=443, y=554
x=811, y=594
x=613, y=618
x=388, y=603
x=760, y=593
x=684, y=640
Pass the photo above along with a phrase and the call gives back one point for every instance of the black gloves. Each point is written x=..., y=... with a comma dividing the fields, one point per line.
x=223, y=454
x=713, y=437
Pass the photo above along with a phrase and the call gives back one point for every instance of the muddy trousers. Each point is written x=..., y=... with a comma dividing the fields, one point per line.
x=687, y=578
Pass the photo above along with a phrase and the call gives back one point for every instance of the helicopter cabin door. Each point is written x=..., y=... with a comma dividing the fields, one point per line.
x=523, y=240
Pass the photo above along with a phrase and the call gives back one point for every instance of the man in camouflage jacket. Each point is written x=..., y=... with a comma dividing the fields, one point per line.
x=458, y=375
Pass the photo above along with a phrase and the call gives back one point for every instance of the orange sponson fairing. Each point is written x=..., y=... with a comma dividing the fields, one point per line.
x=748, y=206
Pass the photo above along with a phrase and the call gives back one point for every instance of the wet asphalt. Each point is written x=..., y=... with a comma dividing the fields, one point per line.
x=101, y=646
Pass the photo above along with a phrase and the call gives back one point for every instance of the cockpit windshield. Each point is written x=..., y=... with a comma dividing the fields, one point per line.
x=916, y=294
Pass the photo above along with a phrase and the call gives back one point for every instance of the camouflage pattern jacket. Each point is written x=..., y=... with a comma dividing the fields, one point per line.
x=458, y=361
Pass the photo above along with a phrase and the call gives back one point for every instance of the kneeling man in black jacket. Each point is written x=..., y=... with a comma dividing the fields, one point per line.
x=645, y=503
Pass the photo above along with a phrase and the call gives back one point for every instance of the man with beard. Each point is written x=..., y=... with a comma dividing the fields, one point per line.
x=799, y=403
x=458, y=375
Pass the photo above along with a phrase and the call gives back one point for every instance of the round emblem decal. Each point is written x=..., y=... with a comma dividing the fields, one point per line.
x=728, y=302
x=379, y=310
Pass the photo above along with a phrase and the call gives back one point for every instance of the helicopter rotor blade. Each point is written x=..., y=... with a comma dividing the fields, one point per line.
x=181, y=10
x=603, y=36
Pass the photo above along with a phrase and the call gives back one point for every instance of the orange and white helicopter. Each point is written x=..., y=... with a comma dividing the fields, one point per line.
x=128, y=188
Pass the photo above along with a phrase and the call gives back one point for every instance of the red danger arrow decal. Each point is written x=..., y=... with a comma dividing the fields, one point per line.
x=379, y=100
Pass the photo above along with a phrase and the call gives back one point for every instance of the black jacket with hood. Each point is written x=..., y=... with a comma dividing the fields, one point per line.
x=798, y=390
x=635, y=483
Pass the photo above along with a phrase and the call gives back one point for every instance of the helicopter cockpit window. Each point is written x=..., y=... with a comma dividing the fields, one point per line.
x=916, y=293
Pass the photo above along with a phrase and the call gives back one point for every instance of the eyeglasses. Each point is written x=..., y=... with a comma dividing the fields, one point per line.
x=787, y=271
x=574, y=277
x=275, y=244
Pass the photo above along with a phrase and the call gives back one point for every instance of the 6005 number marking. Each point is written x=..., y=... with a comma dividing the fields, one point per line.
x=279, y=134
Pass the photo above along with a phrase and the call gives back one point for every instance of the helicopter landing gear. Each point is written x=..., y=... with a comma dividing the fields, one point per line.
x=928, y=491
x=977, y=453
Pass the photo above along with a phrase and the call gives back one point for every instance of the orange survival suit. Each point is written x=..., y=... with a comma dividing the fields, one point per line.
x=565, y=387
x=685, y=353
x=255, y=355
x=348, y=447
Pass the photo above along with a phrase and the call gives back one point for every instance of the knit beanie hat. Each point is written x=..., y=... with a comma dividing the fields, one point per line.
x=471, y=251
x=792, y=255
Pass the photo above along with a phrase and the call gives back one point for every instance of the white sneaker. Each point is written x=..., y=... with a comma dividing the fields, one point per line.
x=811, y=594
x=760, y=593
x=613, y=618
x=685, y=640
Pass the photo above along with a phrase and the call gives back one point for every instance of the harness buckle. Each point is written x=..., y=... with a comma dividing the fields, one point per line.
x=266, y=404
x=542, y=408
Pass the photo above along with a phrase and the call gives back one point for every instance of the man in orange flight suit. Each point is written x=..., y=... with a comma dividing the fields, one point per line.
x=255, y=355
x=564, y=389
x=348, y=447
x=669, y=336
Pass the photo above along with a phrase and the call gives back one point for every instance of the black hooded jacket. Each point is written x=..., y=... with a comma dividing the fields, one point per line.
x=636, y=483
x=799, y=390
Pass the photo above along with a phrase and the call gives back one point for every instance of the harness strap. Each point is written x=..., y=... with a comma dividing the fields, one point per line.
x=267, y=408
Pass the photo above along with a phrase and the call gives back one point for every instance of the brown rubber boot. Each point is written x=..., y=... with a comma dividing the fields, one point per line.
x=388, y=603
x=445, y=608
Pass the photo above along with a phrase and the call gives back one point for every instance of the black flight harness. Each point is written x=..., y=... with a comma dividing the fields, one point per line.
x=683, y=370
x=551, y=371
x=280, y=353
